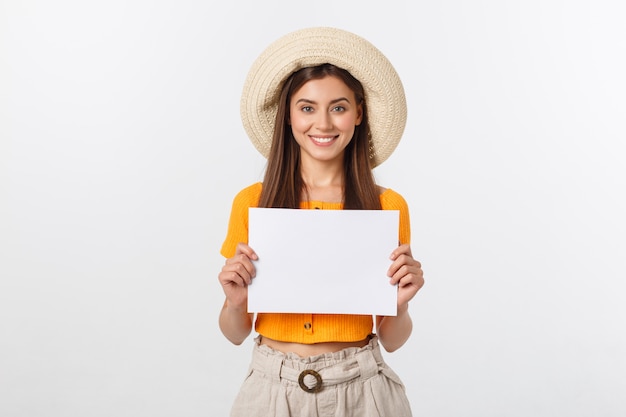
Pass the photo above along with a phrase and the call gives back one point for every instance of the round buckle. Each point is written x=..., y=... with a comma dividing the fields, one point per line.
x=318, y=381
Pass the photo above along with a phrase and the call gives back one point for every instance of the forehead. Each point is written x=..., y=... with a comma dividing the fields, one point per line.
x=329, y=87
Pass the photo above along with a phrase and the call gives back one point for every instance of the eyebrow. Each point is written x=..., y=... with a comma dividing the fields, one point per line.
x=337, y=100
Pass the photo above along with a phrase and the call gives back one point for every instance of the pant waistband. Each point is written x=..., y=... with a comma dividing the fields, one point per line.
x=316, y=372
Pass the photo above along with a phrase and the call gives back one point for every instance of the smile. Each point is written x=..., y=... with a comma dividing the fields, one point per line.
x=322, y=140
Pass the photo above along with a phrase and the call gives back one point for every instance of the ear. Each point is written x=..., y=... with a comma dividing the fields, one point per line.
x=359, y=112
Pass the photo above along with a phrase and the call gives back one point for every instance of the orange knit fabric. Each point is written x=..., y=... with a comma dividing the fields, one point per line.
x=308, y=328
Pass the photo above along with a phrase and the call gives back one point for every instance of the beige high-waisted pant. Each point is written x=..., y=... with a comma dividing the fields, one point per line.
x=354, y=382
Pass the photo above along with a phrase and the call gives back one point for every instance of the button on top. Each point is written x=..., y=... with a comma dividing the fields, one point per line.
x=307, y=326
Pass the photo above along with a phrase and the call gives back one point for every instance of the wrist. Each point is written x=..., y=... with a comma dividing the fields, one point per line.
x=403, y=309
x=236, y=308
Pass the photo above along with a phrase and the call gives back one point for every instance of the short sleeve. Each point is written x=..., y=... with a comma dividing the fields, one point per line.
x=391, y=200
x=238, y=222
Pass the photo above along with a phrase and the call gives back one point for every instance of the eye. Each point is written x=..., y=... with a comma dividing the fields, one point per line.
x=338, y=109
x=306, y=109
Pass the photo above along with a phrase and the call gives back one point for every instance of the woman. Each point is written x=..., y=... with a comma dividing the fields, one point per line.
x=326, y=107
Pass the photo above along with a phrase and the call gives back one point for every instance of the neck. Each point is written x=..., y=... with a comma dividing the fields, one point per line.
x=323, y=181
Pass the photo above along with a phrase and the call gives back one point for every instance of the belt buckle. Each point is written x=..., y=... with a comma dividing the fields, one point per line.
x=318, y=380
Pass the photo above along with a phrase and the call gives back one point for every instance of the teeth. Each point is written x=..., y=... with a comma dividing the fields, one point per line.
x=321, y=140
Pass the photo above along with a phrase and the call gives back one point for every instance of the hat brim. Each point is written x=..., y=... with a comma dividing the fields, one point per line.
x=384, y=93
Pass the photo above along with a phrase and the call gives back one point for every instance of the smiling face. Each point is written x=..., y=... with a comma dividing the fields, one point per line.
x=323, y=114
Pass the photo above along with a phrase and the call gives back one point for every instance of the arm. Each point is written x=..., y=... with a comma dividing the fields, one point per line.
x=406, y=272
x=237, y=273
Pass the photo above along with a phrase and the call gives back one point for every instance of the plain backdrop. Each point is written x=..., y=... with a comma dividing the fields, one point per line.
x=121, y=149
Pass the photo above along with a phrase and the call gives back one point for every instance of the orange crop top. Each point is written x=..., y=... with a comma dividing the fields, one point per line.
x=308, y=328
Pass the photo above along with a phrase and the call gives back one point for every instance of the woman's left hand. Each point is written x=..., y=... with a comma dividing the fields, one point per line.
x=407, y=273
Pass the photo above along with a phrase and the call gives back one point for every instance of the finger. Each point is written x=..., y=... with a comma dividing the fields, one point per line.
x=395, y=266
x=241, y=260
x=413, y=281
x=401, y=250
x=413, y=268
x=242, y=268
x=400, y=262
x=245, y=261
x=400, y=273
x=243, y=248
x=227, y=278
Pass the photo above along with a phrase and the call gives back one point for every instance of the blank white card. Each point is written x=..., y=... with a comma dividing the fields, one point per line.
x=323, y=261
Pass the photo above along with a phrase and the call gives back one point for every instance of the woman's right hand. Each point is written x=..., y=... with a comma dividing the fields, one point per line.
x=237, y=273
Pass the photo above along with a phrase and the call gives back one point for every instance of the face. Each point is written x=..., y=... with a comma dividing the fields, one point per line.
x=323, y=115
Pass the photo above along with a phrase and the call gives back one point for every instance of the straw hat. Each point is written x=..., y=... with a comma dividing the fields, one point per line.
x=384, y=93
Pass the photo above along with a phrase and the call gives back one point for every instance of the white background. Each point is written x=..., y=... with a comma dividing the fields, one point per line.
x=121, y=150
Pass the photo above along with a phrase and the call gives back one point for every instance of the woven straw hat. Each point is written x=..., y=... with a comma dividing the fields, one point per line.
x=384, y=93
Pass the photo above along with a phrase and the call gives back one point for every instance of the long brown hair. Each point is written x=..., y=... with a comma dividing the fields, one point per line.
x=283, y=185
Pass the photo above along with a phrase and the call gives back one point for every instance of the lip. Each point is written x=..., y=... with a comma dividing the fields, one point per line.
x=323, y=140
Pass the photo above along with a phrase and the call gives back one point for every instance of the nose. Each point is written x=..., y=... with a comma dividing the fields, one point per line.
x=324, y=121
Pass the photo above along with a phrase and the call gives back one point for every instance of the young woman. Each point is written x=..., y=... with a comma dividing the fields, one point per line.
x=325, y=107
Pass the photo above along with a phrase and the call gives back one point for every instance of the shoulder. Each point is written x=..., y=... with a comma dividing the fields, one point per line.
x=391, y=200
x=249, y=196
